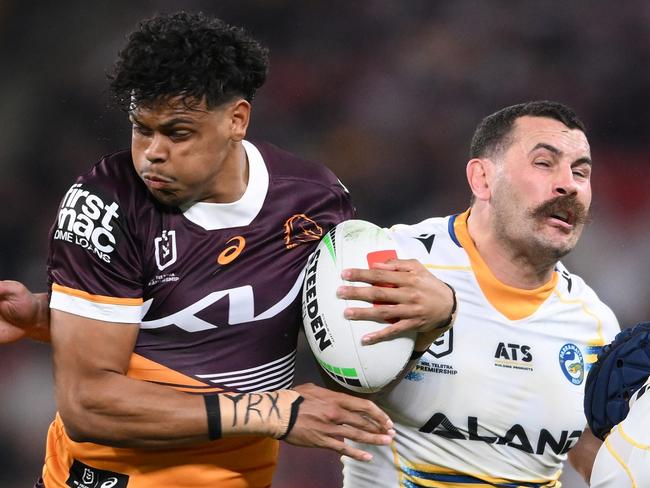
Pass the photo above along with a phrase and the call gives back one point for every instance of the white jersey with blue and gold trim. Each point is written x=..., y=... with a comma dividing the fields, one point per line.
x=623, y=461
x=497, y=400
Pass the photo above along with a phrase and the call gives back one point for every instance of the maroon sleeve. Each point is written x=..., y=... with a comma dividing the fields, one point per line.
x=92, y=254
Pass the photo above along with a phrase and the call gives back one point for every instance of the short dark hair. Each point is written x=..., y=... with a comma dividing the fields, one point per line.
x=493, y=133
x=188, y=55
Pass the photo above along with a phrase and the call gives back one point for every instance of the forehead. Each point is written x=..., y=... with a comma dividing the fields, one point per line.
x=530, y=131
x=167, y=109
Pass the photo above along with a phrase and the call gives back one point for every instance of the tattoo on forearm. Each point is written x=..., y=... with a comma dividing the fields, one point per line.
x=274, y=397
x=234, y=398
x=264, y=405
x=253, y=399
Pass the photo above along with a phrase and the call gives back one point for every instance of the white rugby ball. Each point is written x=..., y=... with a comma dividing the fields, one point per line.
x=335, y=340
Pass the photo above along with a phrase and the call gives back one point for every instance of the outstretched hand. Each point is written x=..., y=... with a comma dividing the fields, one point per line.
x=406, y=296
x=327, y=417
x=22, y=313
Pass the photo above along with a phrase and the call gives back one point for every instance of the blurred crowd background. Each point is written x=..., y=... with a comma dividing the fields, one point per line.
x=386, y=93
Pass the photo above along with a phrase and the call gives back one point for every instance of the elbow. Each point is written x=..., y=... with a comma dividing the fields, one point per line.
x=75, y=419
x=75, y=432
x=81, y=416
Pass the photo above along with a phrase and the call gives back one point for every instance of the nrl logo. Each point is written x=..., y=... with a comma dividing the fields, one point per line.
x=443, y=345
x=165, y=247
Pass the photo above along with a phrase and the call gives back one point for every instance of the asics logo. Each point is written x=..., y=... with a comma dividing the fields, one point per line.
x=230, y=253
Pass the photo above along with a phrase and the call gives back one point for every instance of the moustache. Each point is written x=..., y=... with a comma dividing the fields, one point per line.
x=568, y=204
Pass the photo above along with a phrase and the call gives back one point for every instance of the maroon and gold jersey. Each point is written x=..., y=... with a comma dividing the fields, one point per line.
x=215, y=289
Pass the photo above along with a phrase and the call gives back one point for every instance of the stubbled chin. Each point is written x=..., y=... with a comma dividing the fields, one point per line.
x=557, y=232
x=563, y=242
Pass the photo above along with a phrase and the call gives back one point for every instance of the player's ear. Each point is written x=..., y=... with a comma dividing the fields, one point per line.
x=479, y=176
x=239, y=113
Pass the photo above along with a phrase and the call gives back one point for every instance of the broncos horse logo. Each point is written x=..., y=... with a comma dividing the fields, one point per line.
x=299, y=228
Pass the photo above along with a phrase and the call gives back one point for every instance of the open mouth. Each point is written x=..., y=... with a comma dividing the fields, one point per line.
x=565, y=216
x=564, y=212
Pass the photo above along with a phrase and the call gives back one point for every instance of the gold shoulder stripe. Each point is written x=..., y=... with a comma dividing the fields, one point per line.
x=620, y=461
x=599, y=323
x=631, y=440
x=96, y=298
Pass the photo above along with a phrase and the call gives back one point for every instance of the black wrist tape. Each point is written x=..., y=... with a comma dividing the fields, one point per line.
x=293, y=417
x=214, y=416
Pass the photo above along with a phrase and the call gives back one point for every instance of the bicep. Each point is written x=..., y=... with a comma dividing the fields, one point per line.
x=85, y=349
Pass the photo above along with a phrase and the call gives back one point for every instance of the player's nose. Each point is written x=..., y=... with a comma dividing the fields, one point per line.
x=157, y=150
x=565, y=181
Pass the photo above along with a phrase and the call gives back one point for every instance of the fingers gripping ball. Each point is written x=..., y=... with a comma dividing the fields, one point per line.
x=335, y=340
x=622, y=368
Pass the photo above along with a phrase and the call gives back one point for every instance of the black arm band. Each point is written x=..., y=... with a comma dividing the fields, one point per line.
x=214, y=416
x=416, y=355
x=454, y=305
x=293, y=417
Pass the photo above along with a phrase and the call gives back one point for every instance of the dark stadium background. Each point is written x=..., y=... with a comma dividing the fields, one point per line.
x=387, y=93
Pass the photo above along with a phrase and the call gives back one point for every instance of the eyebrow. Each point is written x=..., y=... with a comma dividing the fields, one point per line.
x=165, y=125
x=557, y=152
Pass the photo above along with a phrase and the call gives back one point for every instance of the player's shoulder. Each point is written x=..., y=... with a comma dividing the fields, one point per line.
x=572, y=287
x=432, y=241
x=438, y=226
x=109, y=192
x=284, y=165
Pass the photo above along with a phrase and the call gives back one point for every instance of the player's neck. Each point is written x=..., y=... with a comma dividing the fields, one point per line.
x=232, y=180
x=509, y=265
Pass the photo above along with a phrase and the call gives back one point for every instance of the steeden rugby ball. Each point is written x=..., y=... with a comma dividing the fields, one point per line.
x=335, y=340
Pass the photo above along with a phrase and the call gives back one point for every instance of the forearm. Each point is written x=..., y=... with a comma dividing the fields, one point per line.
x=118, y=411
x=121, y=412
x=40, y=331
x=22, y=313
x=582, y=455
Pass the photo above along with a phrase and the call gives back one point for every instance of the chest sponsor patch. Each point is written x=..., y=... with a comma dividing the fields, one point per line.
x=84, y=476
x=88, y=221
x=509, y=355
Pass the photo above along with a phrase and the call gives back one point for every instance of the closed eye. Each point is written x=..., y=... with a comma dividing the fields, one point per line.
x=581, y=173
x=178, y=135
x=142, y=130
x=582, y=170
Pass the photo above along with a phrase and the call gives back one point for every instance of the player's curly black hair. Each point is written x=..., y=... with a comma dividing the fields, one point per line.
x=188, y=55
x=493, y=133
